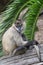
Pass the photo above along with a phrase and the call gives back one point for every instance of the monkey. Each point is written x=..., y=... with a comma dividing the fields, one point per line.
x=12, y=39
x=14, y=44
x=14, y=36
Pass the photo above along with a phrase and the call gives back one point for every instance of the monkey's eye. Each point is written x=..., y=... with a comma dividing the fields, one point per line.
x=19, y=24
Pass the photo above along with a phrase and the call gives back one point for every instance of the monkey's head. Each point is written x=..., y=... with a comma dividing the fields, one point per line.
x=20, y=24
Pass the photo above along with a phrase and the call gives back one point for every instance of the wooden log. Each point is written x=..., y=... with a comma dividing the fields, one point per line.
x=30, y=57
x=41, y=63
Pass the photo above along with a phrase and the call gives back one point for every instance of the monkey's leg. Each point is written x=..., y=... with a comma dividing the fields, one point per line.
x=5, y=52
x=20, y=50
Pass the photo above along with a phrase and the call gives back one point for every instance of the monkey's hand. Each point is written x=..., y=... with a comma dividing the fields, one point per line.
x=20, y=50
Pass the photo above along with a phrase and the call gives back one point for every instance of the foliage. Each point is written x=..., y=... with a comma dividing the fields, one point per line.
x=12, y=12
x=31, y=18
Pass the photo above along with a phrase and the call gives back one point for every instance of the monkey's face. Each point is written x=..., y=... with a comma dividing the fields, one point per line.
x=20, y=25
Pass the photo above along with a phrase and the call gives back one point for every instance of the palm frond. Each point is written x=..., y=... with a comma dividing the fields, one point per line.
x=31, y=18
x=11, y=13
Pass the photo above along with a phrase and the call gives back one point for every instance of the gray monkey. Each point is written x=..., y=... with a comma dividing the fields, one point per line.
x=13, y=42
x=12, y=38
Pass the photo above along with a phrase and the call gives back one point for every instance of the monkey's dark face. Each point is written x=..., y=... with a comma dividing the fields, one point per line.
x=19, y=23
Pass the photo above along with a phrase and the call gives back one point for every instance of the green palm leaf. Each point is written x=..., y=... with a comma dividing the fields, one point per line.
x=13, y=10
x=11, y=13
x=31, y=18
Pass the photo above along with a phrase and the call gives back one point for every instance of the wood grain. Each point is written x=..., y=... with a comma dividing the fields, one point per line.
x=29, y=58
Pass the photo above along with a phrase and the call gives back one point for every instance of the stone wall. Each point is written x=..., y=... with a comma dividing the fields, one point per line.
x=39, y=33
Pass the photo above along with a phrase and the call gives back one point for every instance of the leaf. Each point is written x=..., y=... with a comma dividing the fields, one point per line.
x=31, y=19
x=11, y=14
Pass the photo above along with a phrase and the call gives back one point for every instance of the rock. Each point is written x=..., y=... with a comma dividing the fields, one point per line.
x=40, y=24
x=39, y=36
x=39, y=33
